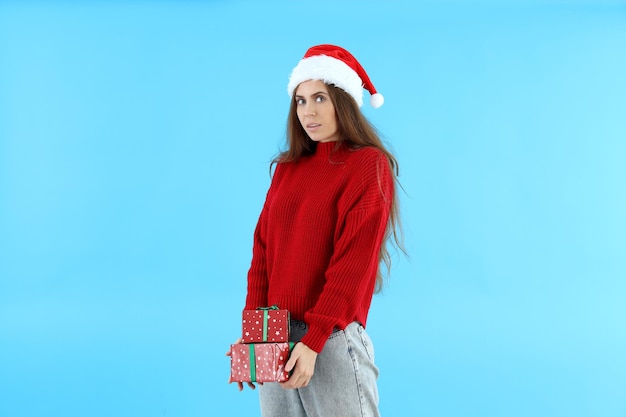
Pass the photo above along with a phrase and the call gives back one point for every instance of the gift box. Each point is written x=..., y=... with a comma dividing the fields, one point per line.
x=265, y=324
x=259, y=362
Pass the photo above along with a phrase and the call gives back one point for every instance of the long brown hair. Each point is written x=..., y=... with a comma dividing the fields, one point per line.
x=355, y=131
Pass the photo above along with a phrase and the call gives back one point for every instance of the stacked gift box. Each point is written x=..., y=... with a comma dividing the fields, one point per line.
x=265, y=347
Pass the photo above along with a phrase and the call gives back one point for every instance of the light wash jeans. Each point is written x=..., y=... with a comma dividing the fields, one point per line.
x=343, y=384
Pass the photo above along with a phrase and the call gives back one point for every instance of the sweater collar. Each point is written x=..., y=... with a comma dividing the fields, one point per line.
x=324, y=149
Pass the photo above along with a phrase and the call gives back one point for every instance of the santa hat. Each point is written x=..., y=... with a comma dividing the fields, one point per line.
x=334, y=65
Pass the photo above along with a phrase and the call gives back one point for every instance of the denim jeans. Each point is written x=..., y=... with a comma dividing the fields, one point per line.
x=343, y=383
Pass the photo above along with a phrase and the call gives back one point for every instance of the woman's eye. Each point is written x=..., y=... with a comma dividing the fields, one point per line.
x=300, y=101
x=319, y=99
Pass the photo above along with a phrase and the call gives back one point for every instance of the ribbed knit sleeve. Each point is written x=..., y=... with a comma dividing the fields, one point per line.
x=351, y=273
x=257, y=274
x=258, y=279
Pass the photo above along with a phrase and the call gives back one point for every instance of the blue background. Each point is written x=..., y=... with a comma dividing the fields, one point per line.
x=135, y=140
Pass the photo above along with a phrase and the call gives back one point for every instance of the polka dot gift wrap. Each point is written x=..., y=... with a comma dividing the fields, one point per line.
x=265, y=324
x=259, y=362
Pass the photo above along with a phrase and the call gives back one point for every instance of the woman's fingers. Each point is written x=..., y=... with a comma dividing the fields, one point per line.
x=239, y=383
x=302, y=361
x=236, y=342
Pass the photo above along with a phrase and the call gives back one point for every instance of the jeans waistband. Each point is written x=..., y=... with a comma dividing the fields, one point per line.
x=303, y=326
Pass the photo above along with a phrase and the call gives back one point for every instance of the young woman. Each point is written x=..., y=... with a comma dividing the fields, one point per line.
x=321, y=237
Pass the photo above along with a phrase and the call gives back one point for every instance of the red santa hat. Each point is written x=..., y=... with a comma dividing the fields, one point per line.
x=334, y=65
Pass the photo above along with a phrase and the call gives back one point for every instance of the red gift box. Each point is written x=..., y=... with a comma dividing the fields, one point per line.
x=265, y=324
x=259, y=362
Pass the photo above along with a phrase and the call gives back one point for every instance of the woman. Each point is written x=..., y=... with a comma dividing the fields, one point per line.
x=320, y=240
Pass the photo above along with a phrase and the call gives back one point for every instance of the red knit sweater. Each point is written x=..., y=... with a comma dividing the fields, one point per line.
x=318, y=238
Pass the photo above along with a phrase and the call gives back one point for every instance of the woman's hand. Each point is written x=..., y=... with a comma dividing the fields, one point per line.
x=302, y=361
x=240, y=384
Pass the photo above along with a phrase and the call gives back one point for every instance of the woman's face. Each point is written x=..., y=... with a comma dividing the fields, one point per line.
x=316, y=111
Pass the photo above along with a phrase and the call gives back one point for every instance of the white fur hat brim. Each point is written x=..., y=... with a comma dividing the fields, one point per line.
x=331, y=71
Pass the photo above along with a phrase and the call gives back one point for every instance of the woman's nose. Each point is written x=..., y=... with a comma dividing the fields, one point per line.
x=310, y=110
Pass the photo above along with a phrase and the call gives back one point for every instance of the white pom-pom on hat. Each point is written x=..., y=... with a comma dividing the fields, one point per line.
x=377, y=100
x=335, y=65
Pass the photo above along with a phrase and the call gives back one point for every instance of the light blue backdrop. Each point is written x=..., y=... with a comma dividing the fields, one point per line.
x=135, y=139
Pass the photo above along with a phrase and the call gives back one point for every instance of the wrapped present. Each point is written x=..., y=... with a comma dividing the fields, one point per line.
x=259, y=362
x=265, y=324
